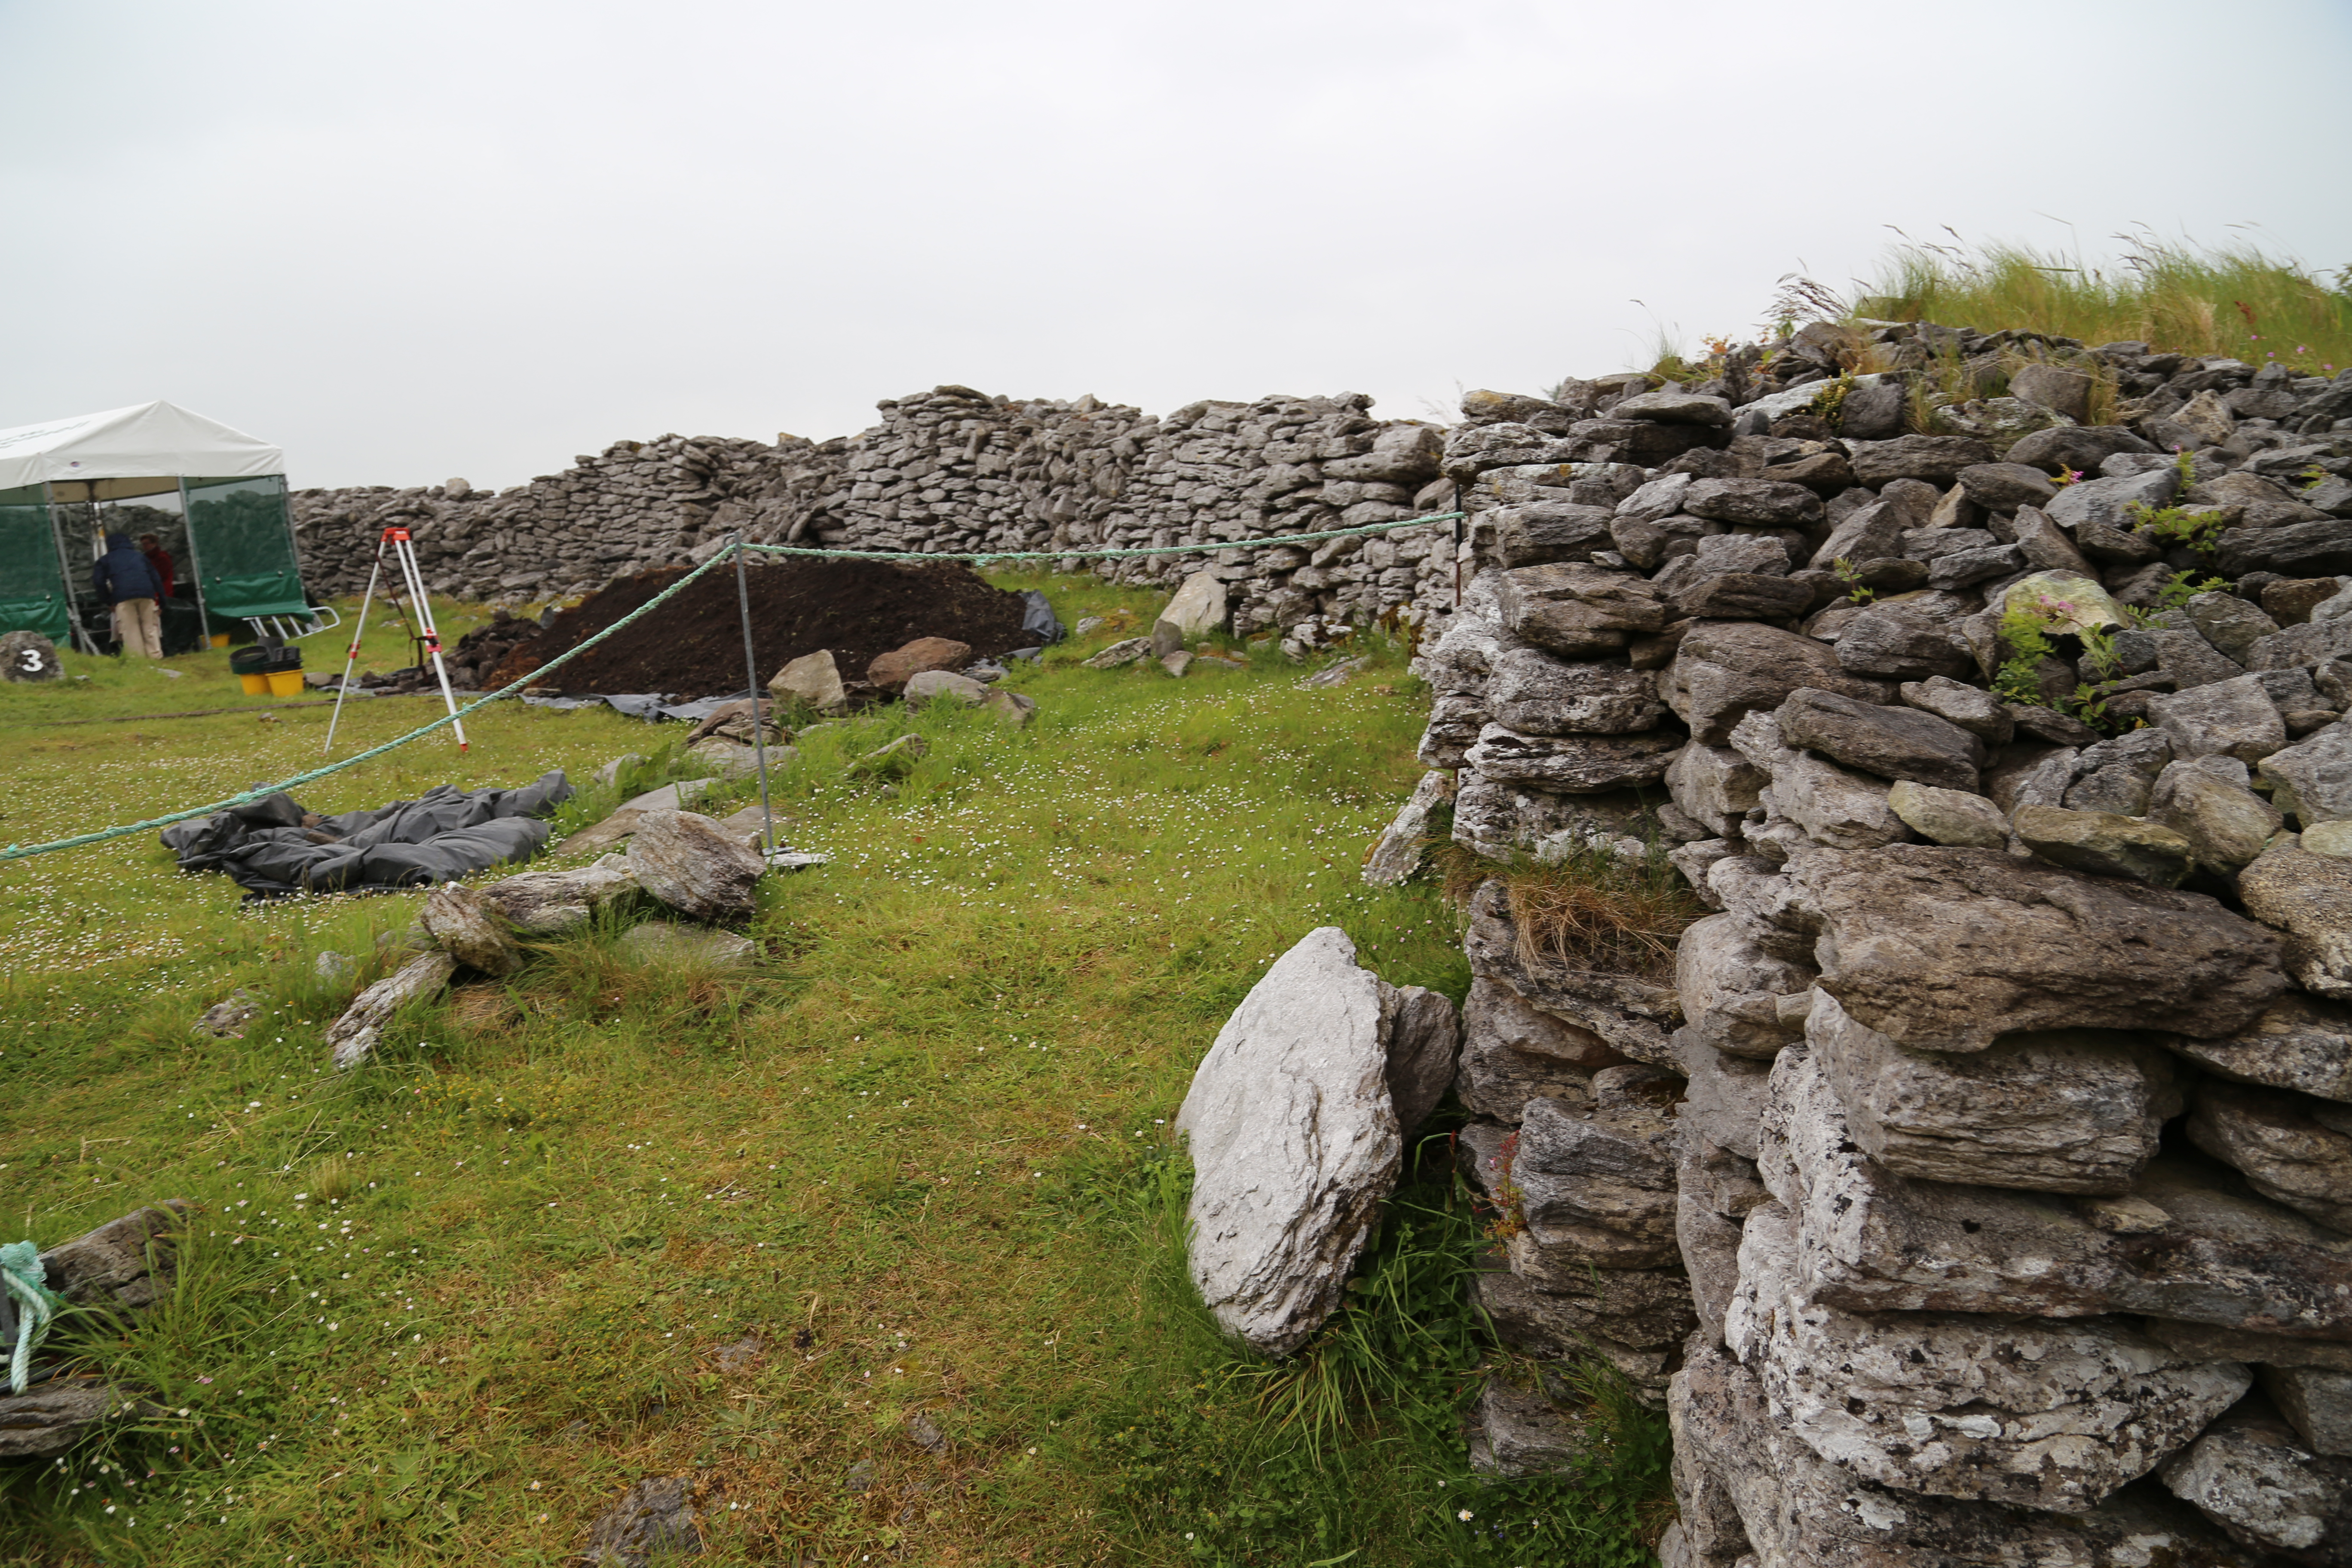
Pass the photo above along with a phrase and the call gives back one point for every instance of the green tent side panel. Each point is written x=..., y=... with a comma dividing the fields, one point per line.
x=32, y=594
x=243, y=538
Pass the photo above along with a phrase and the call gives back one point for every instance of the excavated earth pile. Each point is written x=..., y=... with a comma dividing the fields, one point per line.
x=693, y=646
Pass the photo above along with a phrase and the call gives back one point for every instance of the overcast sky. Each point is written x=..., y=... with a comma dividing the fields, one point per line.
x=417, y=240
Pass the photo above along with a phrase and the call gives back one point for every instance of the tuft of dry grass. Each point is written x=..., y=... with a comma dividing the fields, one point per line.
x=2177, y=297
x=1591, y=912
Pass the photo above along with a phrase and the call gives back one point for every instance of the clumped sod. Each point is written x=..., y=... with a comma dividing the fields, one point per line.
x=2176, y=296
x=601, y=1222
x=1592, y=910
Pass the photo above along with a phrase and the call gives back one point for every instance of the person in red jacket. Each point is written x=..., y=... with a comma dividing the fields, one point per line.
x=151, y=547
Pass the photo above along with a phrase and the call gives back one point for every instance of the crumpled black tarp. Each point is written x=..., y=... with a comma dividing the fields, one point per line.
x=1039, y=619
x=445, y=833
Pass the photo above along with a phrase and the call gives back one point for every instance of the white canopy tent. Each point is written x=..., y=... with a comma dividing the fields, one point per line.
x=144, y=441
x=214, y=497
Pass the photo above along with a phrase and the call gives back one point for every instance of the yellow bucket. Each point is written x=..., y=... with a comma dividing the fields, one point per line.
x=284, y=683
x=256, y=685
x=219, y=639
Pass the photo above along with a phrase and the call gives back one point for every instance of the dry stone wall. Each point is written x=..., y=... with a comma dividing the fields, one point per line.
x=1977, y=1191
x=956, y=469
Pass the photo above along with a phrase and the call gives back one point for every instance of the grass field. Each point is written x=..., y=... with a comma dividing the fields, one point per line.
x=598, y=1224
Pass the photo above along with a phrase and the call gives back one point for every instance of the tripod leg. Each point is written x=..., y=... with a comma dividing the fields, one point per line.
x=352, y=658
x=416, y=578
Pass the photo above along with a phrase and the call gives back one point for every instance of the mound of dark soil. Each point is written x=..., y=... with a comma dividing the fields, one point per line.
x=693, y=646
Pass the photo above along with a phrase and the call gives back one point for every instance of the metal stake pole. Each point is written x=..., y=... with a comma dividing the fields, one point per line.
x=353, y=658
x=759, y=726
x=404, y=552
x=1457, y=547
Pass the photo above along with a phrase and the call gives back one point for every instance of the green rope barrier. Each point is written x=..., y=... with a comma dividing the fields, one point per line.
x=26, y=851
x=23, y=851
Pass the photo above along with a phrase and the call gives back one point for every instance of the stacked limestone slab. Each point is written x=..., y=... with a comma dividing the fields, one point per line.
x=955, y=469
x=2011, y=1156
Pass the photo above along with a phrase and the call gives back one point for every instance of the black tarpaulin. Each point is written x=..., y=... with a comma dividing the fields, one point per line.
x=273, y=846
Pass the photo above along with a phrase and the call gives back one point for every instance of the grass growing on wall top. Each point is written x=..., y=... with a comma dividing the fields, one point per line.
x=2232, y=299
x=599, y=1223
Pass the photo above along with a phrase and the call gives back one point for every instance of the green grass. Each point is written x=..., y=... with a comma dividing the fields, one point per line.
x=446, y=1307
x=2235, y=300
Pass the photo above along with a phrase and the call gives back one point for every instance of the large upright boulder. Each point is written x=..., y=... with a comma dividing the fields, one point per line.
x=1296, y=1137
x=1197, y=608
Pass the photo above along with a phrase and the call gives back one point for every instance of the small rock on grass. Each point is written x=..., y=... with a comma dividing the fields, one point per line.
x=693, y=946
x=471, y=929
x=691, y=863
x=354, y=1036
x=895, y=761
x=227, y=1019
x=925, y=1434
x=813, y=679
x=653, y=1522
x=1339, y=674
x=1012, y=708
x=1398, y=853
x=1124, y=652
x=938, y=684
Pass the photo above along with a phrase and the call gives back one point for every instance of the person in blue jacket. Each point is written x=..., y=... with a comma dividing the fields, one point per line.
x=125, y=580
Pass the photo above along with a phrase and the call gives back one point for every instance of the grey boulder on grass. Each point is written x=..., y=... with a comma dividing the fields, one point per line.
x=1296, y=1137
x=691, y=863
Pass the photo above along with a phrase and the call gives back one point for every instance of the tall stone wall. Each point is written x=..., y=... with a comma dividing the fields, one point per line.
x=955, y=469
x=1978, y=1189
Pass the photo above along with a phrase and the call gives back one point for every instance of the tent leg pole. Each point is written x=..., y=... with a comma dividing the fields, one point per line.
x=353, y=658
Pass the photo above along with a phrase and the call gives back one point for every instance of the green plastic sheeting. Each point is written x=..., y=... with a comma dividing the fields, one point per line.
x=244, y=545
x=32, y=595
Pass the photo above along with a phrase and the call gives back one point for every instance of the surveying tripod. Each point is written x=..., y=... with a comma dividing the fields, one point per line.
x=423, y=633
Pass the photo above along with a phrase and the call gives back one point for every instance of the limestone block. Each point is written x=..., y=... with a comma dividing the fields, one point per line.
x=1894, y=742
x=352, y=1036
x=1948, y=816
x=1715, y=786
x=1798, y=1510
x=1398, y=854
x=1574, y=764
x=1725, y=670
x=1512, y=1053
x=2311, y=781
x=2251, y=1477
x=2189, y=1243
x=1945, y=950
x=2208, y=802
x=1199, y=608
x=2058, y=1111
x=1535, y=694
x=1731, y=988
x=2309, y=897
x=2052, y=1415
x=2292, y=1149
x=2298, y=1043
x=813, y=679
x=1831, y=804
